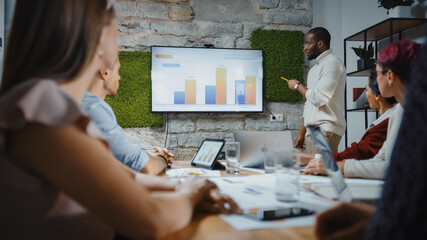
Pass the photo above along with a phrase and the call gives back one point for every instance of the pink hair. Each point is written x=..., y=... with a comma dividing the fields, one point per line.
x=398, y=57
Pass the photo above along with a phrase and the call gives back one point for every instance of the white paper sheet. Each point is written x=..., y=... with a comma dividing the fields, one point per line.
x=359, y=188
x=184, y=172
x=257, y=170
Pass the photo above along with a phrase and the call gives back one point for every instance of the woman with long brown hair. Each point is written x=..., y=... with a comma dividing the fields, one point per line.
x=58, y=179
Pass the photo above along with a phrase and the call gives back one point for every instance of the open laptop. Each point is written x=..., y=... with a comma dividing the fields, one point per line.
x=252, y=143
x=368, y=193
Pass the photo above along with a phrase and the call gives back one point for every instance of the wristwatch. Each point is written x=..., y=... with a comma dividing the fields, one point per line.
x=296, y=86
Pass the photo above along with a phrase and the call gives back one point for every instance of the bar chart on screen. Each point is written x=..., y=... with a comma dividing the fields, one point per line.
x=205, y=80
x=217, y=94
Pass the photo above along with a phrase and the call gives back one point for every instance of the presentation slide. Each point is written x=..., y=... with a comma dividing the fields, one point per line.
x=206, y=80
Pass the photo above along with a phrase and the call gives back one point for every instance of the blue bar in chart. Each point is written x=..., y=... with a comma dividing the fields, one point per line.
x=176, y=65
x=210, y=94
x=240, y=92
x=179, y=97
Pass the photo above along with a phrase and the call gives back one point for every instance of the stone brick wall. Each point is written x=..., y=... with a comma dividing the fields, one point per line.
x=194, y=23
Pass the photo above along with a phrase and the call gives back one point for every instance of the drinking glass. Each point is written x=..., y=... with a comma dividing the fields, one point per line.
x=270, y=150
x=287, y=171
x=232, y=157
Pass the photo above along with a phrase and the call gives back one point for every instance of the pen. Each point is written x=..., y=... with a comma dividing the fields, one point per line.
x=284, y=79
x=252, y=191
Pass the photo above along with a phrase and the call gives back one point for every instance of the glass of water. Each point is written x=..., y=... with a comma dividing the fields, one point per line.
x=271, y=151
x=232, y=156
x=287, y=171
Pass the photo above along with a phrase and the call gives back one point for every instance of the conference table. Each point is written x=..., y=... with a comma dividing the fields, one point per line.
x=205, y=226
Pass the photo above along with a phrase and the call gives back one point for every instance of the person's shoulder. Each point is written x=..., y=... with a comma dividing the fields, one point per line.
x=93, y=104
x=331, y=57
x=380, y=126
x=90, y=100
x=39, y=100
x=398, y=111
x=97, y=109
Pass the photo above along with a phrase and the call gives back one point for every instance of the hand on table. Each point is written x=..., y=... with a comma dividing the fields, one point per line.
x=315, y=166
x=345, y=221
x=165, y=153
x=207, y=197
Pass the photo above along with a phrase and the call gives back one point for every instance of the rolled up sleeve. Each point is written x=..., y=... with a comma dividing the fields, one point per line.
x=322, y=93
x=122, y=148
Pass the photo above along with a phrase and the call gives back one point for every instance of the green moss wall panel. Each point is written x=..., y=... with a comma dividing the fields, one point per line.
x=132, y=105
x=283, y=56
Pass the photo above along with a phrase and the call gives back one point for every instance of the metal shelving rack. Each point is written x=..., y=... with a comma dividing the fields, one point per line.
x=380, y=31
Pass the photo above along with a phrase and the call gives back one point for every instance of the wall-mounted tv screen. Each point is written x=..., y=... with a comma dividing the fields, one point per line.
x=206, y=80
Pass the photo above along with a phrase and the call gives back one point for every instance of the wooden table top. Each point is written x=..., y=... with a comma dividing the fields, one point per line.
x=205, y=226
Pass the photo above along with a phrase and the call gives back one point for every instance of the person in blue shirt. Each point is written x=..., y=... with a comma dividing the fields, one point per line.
x=106, y=83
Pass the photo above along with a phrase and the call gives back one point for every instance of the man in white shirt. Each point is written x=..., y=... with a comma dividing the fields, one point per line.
x=324, y=93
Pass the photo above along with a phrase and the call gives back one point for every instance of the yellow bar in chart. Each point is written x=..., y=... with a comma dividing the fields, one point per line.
x=250, y=90
x=190, y=91
x=221, y=86
x=164, y=56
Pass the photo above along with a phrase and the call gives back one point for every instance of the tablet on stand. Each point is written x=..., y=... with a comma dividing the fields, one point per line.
x=207, y=154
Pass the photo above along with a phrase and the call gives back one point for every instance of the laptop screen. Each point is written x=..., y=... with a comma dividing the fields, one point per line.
x=337, y=178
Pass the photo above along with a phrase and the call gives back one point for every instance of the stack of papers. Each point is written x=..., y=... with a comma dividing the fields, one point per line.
x=258, y=191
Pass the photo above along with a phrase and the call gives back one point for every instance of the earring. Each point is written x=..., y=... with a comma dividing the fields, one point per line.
x=388, y=83
x=101, y=53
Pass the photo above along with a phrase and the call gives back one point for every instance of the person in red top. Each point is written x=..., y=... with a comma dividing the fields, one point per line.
x=374, y=137
x=376, y=134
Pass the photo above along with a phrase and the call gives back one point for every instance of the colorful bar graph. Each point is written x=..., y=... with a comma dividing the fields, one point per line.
x=240, y=92
x=244, y=90
x=179, y=97
x=210, y=156
x=250, y=90
x=221, y=86
x=210, y=94
x=190, y=91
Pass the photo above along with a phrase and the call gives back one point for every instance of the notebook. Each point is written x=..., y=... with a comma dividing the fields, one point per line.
x=363, y=192
x=251, y=144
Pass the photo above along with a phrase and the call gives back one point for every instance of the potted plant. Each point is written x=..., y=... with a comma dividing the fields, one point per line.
x=399, y=8
x=366, y=60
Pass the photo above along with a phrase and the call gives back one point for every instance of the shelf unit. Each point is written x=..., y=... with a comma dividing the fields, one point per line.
x=380, y=31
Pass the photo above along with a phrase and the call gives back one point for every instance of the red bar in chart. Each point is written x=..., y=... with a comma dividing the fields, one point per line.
x=250, y=90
